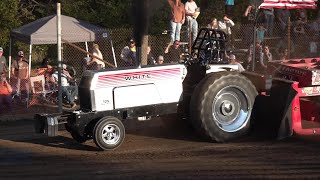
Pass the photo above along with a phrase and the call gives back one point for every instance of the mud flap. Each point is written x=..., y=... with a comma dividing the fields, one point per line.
x=271, y=116
x=46, y=124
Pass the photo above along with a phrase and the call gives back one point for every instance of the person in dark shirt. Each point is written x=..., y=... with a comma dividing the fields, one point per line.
x=173, y=52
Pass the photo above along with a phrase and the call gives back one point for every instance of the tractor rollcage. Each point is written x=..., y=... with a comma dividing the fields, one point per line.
x=210, y=46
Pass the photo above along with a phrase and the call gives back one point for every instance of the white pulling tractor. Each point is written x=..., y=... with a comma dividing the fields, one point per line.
x=206, y=90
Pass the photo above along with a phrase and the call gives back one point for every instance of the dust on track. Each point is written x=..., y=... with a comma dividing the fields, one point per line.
x=153, y=150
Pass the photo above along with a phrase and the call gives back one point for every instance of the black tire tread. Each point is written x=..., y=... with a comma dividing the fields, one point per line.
x=214, y=82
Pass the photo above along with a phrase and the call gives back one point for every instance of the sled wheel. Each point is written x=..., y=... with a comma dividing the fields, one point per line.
x=108, y=133
x=221, y=106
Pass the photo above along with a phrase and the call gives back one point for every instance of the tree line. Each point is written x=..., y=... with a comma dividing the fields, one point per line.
x=105, y=13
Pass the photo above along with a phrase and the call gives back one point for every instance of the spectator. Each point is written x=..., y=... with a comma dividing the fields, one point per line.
x=173, y=54
x=258, y=52
x=96, y=61
x=160, y=60
x=213, y=24
x=251, y=9
x=315, y=27
x=3, y=62
x=260, y=33
x=150, y=57
x=283, y=54
x=128, y=53
x=177, y=19
x=70, y=91
x=45, y=63
x=313, y=46
x=282, y=16
x=5, y=93
x=225, y=25
x=46, y=70
x=20, y=73
x=233, y=60
x=282, y=45
x=301, y=14
x=266, y=56
x=299, y=29
x=250, y=12
x=269, y=20
x=192, y=12
x=229, y=7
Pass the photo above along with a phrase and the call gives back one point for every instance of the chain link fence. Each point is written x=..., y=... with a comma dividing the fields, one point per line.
x=304, y=42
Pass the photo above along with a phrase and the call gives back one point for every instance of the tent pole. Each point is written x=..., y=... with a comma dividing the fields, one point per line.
x=87, y=48
x=113, y=54
x=59, y=57
x=9, y=69
x=30, y=56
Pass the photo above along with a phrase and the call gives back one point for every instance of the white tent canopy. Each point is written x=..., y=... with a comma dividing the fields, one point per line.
x=44, y=31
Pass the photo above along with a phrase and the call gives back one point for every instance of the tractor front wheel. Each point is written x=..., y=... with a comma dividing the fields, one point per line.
x=108, y=133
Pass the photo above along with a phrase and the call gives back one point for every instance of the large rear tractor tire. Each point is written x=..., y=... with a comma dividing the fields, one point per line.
x=108, y=133
x=221, y=106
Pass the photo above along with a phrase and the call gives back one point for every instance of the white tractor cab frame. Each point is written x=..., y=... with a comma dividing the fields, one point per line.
x=206, y=90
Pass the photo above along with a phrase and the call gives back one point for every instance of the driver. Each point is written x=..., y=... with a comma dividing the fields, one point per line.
x=70, y=91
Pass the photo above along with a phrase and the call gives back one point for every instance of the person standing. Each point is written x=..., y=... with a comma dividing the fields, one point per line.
x=3, y=62
x=97, y=53
x=282, y=16
x=229, y=7
x=5, y=93
x=177, y=19
x=192, y=12
x=225, y=25
x=269, y=20
x=20, y=72
x=257, y=56
x=128, y=54
x=173, y=54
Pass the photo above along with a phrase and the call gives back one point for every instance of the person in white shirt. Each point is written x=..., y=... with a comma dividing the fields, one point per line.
x=192, y=12
x=225, y=25
x=97, y=53
x=232, y=60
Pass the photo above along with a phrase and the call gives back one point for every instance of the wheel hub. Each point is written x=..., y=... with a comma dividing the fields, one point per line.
x=111, y=134
x=230, y=109
x=227, y=108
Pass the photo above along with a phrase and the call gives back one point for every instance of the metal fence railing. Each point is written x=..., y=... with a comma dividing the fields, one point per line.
x=304, y=40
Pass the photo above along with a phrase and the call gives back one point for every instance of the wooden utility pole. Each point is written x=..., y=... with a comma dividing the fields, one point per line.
x=141, y=19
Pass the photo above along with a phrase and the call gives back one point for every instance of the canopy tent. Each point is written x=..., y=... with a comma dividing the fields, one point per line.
x=284, y=4
x=44, y=31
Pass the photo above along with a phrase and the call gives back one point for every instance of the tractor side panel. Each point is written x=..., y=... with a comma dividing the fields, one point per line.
x=132, y=96
x=113, y=89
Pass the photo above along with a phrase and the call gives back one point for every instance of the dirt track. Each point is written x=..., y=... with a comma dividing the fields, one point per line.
x=153, y=152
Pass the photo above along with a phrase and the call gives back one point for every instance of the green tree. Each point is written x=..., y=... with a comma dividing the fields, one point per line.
x=8, y=19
